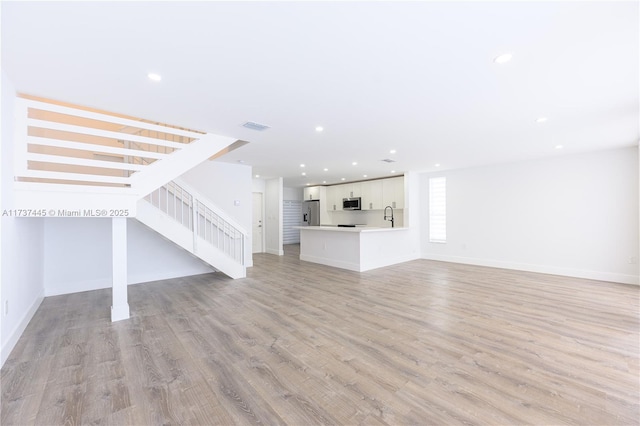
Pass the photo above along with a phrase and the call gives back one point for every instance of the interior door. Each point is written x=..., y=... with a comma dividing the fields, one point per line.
x=258, y=220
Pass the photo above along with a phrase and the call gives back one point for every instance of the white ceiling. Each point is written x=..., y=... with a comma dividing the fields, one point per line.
x=417, y=77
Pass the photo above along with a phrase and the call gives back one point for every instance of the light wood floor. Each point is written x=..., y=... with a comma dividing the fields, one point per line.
x=301, y=344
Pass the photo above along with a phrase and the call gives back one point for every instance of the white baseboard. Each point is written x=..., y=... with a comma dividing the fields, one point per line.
x=276, y=252
x=149, y=277
x=543, y=269
x=102, y=283
x=331, y=262
x=389, y=262
x=14, y=336
x=77, y=287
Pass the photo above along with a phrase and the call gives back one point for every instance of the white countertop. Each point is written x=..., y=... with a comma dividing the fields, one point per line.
x=347, y=229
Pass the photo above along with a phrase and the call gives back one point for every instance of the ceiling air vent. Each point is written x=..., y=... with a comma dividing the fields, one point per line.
x=255, y=126
x=388, y=160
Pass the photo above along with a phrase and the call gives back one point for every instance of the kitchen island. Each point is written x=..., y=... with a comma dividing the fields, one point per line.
x=355, y=248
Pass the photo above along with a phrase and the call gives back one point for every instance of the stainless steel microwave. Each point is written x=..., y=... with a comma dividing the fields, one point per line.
x=351, y=203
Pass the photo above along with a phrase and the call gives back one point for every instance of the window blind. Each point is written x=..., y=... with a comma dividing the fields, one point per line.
x=292, y=213
x=438, y=210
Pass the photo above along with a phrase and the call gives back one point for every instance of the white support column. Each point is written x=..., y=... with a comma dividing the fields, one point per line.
x=120, y=305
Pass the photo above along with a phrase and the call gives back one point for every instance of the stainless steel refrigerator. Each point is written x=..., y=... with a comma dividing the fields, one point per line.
x=311, y=213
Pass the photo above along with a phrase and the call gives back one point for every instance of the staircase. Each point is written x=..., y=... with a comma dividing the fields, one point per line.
x=180, y=214
x=79, y=162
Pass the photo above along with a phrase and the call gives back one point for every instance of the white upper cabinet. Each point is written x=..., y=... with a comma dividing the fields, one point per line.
x=375, y=194
x=372, y=195
x=334, y=198
x=353, y=190
x=312, y=193
x=393, y=192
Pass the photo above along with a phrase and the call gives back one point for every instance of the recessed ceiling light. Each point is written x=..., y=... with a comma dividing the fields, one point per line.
x=302, y=165
x=154, y=76
x=325, y=169
x=355, y=163
x=304, y=174
x=437, y=164
x=308, y=184
x=364, y=175
x=257, y=176
x=503, y=59
x=393, y=171
x=559, y=147
x=342, y=179
x=324, y=181
x=319, y=129
x=393, y=151
x=541, y=119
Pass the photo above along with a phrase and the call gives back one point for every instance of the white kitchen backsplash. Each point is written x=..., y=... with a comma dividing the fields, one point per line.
x=365, y=217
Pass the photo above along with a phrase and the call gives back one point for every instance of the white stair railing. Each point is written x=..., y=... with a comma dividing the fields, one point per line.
x=218, y=232
x=207, y=224
x=58, y=144
x=175, y=202
x=79, y=159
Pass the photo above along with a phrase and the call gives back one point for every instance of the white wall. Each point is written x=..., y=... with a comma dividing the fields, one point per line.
x=274, y=218
x=224, y=184
x=77, y=255
x=229, y=187
x=22, y=276
x=152, y=258
x=258, y=185
x=21, y=272
x=574, y=215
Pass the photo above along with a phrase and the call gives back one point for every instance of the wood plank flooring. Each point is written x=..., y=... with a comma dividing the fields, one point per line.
x=424, y=343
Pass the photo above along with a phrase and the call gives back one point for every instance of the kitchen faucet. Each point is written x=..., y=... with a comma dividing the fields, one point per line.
x=388, y=217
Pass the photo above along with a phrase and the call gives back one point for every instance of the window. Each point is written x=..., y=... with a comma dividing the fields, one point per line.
x=438, y=210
